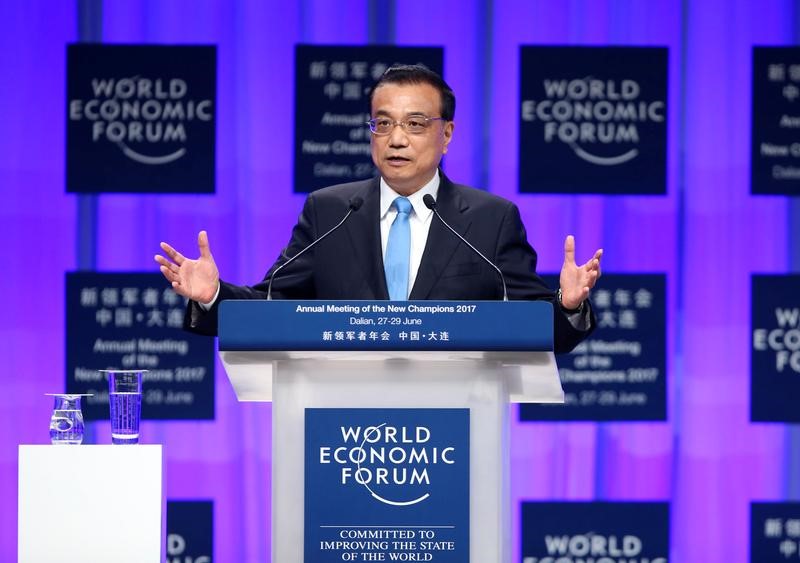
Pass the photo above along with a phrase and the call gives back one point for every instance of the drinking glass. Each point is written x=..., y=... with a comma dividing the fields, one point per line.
x=66, y=423
x=125, y=401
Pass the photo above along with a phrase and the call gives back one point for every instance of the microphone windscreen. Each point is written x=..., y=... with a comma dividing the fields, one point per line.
x=429, y=202
x=356, y=203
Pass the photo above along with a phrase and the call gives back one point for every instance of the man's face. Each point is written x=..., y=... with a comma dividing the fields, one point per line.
x=408, y=161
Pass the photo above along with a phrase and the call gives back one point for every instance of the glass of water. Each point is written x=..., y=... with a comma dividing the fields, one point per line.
x=125, y=400
x=66, y=423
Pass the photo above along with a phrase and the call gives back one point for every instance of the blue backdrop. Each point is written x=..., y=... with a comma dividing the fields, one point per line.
x=708, y=234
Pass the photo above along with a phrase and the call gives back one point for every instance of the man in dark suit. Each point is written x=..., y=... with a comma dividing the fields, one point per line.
x=412, y=125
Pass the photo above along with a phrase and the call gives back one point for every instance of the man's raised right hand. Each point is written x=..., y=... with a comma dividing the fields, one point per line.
x=196, y=279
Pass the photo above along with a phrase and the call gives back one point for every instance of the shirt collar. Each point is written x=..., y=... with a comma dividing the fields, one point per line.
x=388, y=196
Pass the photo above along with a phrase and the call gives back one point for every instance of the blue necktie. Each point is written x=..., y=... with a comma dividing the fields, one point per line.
x=398, y=251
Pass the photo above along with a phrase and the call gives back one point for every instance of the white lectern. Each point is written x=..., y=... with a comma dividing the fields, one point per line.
x=91, y=504
x=295, y=379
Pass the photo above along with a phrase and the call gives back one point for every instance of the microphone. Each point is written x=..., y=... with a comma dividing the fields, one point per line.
x=430, y=203
x=355, y=204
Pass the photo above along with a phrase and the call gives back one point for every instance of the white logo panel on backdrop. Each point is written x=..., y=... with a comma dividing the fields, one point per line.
x=135, y=321
x=775, y=358
x=593, y=120
x=602, y=532
x=620, y=371
x=190, y=531
x=775, y=151
x=141, y=118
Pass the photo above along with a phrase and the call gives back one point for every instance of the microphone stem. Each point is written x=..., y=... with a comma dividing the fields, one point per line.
x=309, y=247
x=476, y=251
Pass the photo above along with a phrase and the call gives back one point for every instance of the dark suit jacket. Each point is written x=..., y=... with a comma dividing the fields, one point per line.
x=349, y=264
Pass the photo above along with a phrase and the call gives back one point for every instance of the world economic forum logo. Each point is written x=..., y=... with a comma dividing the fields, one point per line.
x=141, y=118
x=781, y=339
x=775, y=352
x=587, y=113
x=593, y=120
x=147, y=118
x=394, y=464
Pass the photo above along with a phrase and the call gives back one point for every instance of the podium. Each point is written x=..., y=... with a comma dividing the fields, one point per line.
x=366, y=394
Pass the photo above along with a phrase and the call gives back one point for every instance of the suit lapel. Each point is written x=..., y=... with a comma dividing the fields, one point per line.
x=364, y=231
x=441, y=243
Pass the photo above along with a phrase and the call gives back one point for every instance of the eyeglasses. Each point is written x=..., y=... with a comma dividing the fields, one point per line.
x=413, y=125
